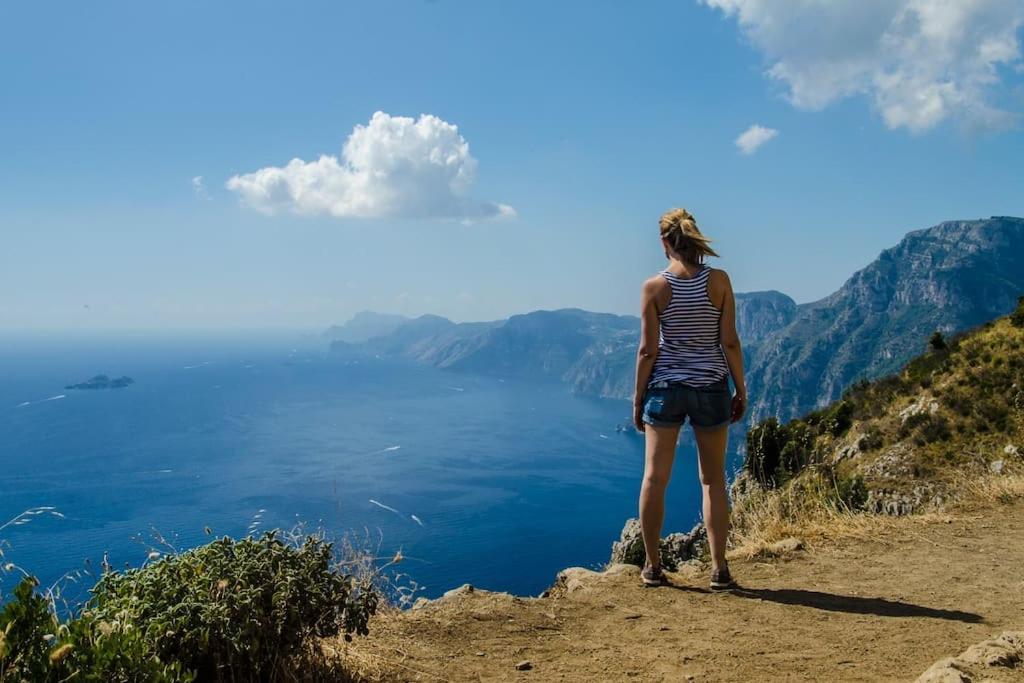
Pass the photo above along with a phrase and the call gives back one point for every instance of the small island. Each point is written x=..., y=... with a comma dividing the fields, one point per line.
x=102, y=382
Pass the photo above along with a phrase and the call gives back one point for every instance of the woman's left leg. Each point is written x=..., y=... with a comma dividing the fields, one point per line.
x=711, y=446
x=659, y=453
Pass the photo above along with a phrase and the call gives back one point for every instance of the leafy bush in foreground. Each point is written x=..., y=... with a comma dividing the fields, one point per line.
x=243, y=607
x=34, y=646
x=227, y=611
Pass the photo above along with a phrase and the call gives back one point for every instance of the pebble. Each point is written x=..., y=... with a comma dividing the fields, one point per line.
x=524, y=665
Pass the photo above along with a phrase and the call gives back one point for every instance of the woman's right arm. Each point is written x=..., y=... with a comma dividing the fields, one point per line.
x=650, y=328
x=733, y=351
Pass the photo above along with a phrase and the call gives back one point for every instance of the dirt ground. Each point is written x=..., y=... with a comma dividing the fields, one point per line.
x=857, y=610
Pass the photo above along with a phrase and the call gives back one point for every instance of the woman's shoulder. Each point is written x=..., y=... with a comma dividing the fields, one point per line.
x=656, y=282
x=717, y=275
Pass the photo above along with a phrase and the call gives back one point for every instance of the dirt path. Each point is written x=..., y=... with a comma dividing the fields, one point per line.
x=884, y=609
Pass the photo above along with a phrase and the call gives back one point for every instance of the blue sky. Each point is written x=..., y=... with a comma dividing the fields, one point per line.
x=584, y=119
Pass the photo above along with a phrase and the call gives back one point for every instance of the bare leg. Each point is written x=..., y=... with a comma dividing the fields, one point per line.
x=711, y=452
x=659, y=453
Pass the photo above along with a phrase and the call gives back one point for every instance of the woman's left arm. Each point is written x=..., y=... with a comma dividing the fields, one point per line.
x=649, y=332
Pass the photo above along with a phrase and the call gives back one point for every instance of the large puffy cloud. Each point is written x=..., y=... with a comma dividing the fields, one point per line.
x=920, y=61
x=393, y=166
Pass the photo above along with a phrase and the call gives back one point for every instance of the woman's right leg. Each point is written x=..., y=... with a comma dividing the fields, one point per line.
x=659, y=453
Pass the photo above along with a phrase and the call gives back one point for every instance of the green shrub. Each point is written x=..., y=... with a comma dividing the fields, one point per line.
x=959, y=401
x=919, y=370
x=25, y=626
x=247, y=610
x=991, y=415
x=838, y=419
x=911, y=423
x=851, y=492
x=933, y=428
x=797, y=443
x=1017, y=317
x=871, y=440
x=34, y=646
x=244, y=607
x=764, y=447
x=937, y=342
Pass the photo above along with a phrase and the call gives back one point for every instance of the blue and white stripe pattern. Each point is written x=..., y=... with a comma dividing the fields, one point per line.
x=689, y=345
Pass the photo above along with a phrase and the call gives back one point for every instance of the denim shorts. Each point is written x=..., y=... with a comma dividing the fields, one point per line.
x=667, y=404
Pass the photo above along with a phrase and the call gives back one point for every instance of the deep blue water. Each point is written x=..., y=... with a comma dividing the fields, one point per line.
x=511, y=481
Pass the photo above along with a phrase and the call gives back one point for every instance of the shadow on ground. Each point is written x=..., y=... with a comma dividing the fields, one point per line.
x=840, y=603
x=854, y=604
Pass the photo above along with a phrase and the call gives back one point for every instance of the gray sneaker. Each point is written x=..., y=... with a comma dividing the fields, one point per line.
x=652, y=576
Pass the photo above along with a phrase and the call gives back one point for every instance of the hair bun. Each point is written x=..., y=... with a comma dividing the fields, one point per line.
x=679, y=228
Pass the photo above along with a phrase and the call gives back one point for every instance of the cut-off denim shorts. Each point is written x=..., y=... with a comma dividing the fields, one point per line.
x=668, y=404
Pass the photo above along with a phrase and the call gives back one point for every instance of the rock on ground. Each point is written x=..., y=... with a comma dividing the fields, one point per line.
x=979, y=662
x=676, y=548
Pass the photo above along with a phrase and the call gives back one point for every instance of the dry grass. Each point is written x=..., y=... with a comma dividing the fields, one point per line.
x=803, y=511
x=766, y=517
x=383, y=662
x=991, y=489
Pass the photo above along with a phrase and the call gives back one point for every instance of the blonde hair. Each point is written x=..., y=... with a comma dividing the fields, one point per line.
x=680, y=230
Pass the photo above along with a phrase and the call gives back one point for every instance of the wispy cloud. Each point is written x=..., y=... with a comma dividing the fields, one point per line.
x=199, y=188
x=920, y=62
x=393, y=166
x=752, y=138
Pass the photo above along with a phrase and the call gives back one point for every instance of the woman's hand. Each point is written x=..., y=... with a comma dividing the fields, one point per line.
x=739, y=407
x=638, y=416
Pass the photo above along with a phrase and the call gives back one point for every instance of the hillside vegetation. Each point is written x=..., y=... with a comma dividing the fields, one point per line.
x=948, y=427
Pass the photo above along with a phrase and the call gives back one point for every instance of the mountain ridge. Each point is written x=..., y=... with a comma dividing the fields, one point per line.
x=948, y=277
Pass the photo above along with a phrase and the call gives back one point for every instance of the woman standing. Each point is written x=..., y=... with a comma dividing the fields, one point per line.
x=688, y=350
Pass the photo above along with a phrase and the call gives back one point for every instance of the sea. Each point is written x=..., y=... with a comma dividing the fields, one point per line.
x=494, y=481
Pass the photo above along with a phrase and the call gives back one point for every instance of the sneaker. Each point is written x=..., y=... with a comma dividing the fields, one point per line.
x=652, y=576
x=722, y=580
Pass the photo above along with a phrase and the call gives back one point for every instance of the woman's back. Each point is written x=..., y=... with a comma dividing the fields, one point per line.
x=689, y=342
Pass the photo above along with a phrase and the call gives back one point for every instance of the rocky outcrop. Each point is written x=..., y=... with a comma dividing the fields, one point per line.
x=576, y=579
x=897, y=503
x=983, y=661
x=676, y=548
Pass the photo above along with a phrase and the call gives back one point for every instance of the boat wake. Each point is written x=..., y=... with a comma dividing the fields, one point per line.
x=386, y=507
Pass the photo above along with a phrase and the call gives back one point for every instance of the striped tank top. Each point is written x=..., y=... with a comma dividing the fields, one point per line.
x=689, y=345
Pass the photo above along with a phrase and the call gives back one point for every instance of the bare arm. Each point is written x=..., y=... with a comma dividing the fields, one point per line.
x=731, y=345
x=650, y=328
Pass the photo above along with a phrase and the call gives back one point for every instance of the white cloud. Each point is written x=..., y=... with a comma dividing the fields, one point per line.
x=199, y=187
x=753, y=137
x=920, y=62
x=393, y=166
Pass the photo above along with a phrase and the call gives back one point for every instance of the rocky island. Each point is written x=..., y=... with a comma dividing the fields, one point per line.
x=102, y=382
